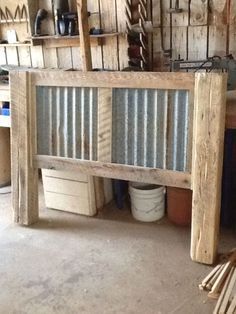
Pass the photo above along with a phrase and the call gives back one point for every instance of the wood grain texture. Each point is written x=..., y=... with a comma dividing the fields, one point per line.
x=116, y=171
x=122, y=39
x=232, y=307
x=181, y=19
x=209, y=125
x=222, y=294
x=197, y=43
x=5, y=159
x=217, y=40
x=109, y=24
x=115, y=79
x=179, y=43
x=24, y=176
x=198, y=12
x=94, y=21
x=49, y=55
x=85, y=48
x=104, y=124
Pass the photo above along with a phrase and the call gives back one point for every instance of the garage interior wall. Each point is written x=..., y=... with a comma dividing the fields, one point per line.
x=205, y=28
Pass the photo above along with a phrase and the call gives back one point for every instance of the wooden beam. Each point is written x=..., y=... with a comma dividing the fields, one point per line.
x=115, y=171
x=105, y=124
x=84, y=35
x=149, y=80
x=209, y=126
x=24, y=175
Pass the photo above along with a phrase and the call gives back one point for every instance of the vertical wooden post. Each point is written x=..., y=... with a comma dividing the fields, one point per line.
x=104, y=147
x=209, y=126
x=85, y=47
x=23, y=146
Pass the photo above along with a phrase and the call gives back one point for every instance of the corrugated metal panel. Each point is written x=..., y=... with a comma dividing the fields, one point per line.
x=151, y=128
x=67, y=122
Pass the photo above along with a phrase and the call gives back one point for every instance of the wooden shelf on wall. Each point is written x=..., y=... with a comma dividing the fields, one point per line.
x=54, y=41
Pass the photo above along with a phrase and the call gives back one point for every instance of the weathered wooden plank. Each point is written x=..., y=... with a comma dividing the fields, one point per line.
x=122, y=39
x=85, y=48
x=218, y=12
x=3, y=57
x=232, y=28
x=108, y=24
x=24, y=56
x=116, y=171
x=198, y=12
x=12, y=56
x=95, y=21
x=179, y=43
x=116, y=79
x=37, y=56
x=217, y=40
x=156, y=13
x=209, y=126
x=24, y=176
x=48, y=27
x=105, y=124
x=181, y=19
x=222, y=294
x=232, y=307
x=225, y=301
x=197, y=43
x=64, y=58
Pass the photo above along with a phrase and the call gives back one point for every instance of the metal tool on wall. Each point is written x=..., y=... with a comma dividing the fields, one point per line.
x=136, y=21
x=41, y=15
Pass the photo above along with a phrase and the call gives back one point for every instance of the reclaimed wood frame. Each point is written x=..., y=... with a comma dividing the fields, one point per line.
x=208, y=96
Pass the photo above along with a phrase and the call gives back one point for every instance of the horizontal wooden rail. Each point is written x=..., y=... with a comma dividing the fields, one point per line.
x=116, y=171
x=178, y=81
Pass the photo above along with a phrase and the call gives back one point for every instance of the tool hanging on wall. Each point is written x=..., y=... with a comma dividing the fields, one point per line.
x=137, y=12
x=41, y=15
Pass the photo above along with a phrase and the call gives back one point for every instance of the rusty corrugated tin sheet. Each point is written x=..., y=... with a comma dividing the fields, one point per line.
x=67, y=122
x=150, y=128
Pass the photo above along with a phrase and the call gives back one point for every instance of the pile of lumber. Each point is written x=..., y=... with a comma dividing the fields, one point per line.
x=221, y=284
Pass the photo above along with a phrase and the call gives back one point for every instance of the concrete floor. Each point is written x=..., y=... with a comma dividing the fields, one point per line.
x=107, y=264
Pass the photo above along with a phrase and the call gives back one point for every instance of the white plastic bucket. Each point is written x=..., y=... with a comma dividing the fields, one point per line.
x=147, y=201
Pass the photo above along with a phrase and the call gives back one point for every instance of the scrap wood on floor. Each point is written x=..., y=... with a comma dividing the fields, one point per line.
x=221, y=284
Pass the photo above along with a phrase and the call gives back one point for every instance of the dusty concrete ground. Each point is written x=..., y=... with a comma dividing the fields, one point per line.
x=107, y=264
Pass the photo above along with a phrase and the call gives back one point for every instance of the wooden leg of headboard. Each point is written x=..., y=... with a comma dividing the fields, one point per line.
x=23, y=145
x=209, y=126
